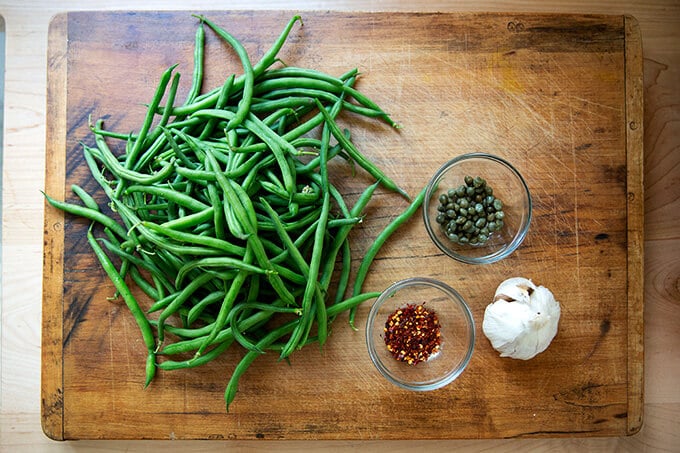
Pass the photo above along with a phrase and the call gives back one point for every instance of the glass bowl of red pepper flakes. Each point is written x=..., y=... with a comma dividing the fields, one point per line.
x=477, y=208
x=420, y=334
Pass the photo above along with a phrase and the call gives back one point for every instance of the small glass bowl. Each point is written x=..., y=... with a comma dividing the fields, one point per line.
x=457, y=334
x=508, y=186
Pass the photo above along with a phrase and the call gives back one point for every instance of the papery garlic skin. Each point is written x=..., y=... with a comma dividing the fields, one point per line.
x=523, y=319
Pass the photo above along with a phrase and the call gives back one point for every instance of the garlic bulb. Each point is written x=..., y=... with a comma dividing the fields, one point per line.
x=522, y=320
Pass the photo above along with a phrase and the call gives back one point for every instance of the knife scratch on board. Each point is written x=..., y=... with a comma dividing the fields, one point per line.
x=576, y=202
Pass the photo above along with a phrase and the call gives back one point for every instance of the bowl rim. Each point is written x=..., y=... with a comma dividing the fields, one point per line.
x=499, y=254
x=454, y=297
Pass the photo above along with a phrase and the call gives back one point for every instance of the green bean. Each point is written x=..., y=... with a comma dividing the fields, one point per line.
x=190, y=220
x=171, y=195
x=321, y=95
x=165, y=117
x=150, y=368
x=314, y=163
x=161, y=303
x=87, y=213
x=315, y=264
x=186, y=346
x=178, y=150
x=373, y=250
x=243, y=219
x=342, y=234
x=196, y=310
x=220, y=262
x=143, y=284
x=279, y=332
x=151, y=111
x=220, y=103
x=196, y=361
x=337, y=196
x=206, y=241
x=130, y=301
x=186, y=332
x=227, y=304
x=98, y=130
x=345, y=271
x=218, y=217
x=249, y=76
x=274, y=142
x=197, y=79
x=176, y=303
x=232, y=320
x=358, y=157
x=293, y=251
x=178, y=249
x=260, y=105
x=85, y=197
x=267, y=60
x=113, y=165
x=139, y=262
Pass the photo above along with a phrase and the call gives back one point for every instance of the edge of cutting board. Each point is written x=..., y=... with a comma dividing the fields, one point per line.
x=52, y=385
x=635, y=183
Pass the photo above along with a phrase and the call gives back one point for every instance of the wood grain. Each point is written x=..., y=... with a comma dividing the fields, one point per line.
x=552, y=93
x=53, y=260
x=635, y=208
x=22, y=230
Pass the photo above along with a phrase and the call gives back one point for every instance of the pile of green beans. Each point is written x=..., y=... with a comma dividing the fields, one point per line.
x=223, y=213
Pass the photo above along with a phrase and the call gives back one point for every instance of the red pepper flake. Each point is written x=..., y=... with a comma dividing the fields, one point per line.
x=412, y=334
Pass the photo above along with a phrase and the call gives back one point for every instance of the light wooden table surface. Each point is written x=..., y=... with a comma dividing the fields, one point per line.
x=26, y=25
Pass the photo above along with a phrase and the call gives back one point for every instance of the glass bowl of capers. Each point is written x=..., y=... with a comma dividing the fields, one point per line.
x=477, y=208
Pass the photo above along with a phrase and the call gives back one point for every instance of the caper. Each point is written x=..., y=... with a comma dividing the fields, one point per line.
x=470, y=213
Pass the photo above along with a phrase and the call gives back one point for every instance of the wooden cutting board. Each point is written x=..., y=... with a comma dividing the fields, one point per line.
x=560, y=96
